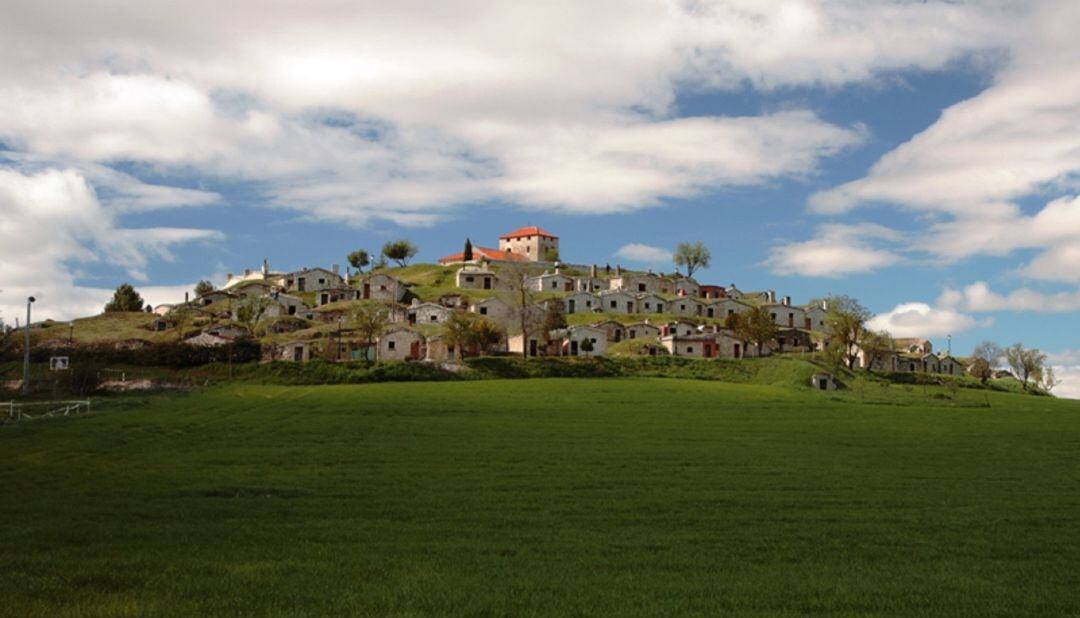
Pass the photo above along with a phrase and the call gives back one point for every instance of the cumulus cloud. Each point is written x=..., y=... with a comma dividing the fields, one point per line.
x=645, y=254
x=922, y=320
x=1066, y=367
x=967, y=171
x=52, y=225
x=837, y=250
x=979, y=298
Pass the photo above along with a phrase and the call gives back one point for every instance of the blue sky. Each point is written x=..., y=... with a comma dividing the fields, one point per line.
x=922, y=157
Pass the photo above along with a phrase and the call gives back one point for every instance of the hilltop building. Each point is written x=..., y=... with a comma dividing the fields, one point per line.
x=527, y=244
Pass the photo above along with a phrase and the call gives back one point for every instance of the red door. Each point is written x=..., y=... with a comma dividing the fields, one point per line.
x=414, y=350
x=367, y=291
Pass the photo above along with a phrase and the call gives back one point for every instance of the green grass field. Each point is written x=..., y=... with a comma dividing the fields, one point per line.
x=543, y=497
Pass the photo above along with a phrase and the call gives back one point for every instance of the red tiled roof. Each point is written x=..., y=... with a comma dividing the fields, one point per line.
x=529, y=231
x=492, y=254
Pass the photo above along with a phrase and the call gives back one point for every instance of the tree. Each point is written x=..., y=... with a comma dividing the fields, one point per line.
x=874, y=344
x=459, y=331
x=693, y=256
x=203, y=287
x=760, y=327
x=554, y=319
x=251, y=312
x=551, y=254
x=182, y=316
x=467, y=256
x=846, y=321
x=359, y=259
x=586, y=346
x=1047, y=380
x=401, y=251
x=125, y=299
x=737, y=324
x=370, y=321
x=1025, y=363
x=985, y=358
x=516, y=279
x=485, y=334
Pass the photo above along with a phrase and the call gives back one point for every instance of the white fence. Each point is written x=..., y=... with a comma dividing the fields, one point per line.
x=12, y=411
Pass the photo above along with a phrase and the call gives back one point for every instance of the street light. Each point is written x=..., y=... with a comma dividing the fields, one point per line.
x=26, y=351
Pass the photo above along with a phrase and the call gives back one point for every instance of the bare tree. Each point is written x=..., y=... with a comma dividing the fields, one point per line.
x=1047, y=380
x=516, y=278
x=875, y=344
x=985, y=358
x=1025, y=363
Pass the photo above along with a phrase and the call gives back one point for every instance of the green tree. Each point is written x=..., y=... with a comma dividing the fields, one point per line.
x=125, y=299
x=985, y=357
x=182, y=316
x=845, y=322
x=551, y=254
x=485, y=334
x=467, y=256
x=203, y=287
x=401, y=251
x=760, y=327
x=458, y=331
x=359, y=259
x=251, y=312
x=586, y=346
x=876, y=343
x=692, y=256
x=370, y=321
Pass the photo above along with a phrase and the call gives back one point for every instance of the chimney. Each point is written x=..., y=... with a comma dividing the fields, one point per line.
x=334, y=268
x=266, y=267
x=772, y=296
x=229, y=277
x=825, y=304
x=247, y=272
x=592, y=271
x=186, y=296
x=557, y=269
x=787, y=301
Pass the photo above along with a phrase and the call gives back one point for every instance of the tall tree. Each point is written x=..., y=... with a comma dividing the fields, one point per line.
x=401, y=251
x=692, y=256
x=485, y=334
x=467, y=256
x=1025, y=363
x=182, y=316
x=203, y=287
x=551, y=254
x=874, y=344
x=370, y=321
x=516, y=279
x=252, y=311
x=760, y=327
x=359, y=259
x=1047, y=380
x=125, y=298
x=459, y=331
x=985, y=358
x=846, y=321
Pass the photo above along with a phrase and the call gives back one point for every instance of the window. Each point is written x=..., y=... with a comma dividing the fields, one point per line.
x=689, y=349
x=390, y=344
x=483, y=310
x=322, y=281
x=641, y=287
x=554, y=284
x=614, y=305
x=648, y=306
x=468, y=279
x=434, y=318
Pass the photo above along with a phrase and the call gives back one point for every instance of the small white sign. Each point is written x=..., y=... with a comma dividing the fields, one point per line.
x=58, y=363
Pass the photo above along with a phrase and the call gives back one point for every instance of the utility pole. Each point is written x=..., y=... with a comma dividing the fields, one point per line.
x=26, y=351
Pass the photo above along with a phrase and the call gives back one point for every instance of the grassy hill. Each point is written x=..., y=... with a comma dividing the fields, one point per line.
x=550, y=496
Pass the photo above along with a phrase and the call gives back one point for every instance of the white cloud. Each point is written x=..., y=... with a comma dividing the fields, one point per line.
x=837, y=250
x=52, y=225
x=979, y=298
x=922, y=320
x=1066, y=367
x=645, y=254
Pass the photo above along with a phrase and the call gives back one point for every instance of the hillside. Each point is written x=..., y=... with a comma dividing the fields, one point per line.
x=554, y=497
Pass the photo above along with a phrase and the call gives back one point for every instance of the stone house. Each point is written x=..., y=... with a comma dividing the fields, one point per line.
x=721, y=309
x=471, y=277
x=591, y=284
x=913, y=345
x=651, y=303
x=824, y=381
x=711, y=292
x=814, y=316
x=313, y=280
x=570, y=340
x=530, y=242
x=950, y=366
x=427, y=313
x=679, y=329
x=580, y=302
x=617, y=301
x=613, y=331
x=785, y=315
x=793, y=340
x=295, y=351
x=692, y=346
x=379, y=286
x=333, y=295
x=687, y=306
x=639, y=283
x=550, y=282
x=517, y=345
x=214, y=296
x=401, y=343
x=685, y=286
x=642, y=330
x=494, y=309
x=253, y=289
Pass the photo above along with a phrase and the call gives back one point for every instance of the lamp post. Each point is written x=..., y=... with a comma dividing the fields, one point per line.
x=26, y=350
x=71, y=332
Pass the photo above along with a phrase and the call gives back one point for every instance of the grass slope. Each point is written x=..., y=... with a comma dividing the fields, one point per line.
x=542, y=497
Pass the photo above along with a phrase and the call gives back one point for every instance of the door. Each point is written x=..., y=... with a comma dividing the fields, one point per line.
x=823, y=384
x=532, y=347
x=487, y=283
x=573, y=347
x=414, y=350
x=571, y=305
x=737, y=351
x=298, y=353
x=301, y=284
x=367, y=291
x=569, y=287
x=325, y=299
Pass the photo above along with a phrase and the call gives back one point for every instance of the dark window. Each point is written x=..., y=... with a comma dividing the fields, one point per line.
x=390, y=344
x=483, y=310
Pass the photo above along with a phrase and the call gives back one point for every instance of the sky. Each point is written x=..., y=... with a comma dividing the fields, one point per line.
x=922, y=157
